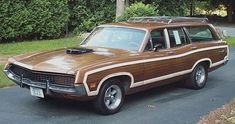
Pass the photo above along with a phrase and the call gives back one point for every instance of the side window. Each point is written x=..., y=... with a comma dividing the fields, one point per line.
x=149, y=46
x=200, y=34
x=157, y=37
x=177, y=37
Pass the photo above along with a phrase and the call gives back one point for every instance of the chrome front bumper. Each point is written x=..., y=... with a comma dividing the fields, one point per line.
x=47, y=87
x=226, y=59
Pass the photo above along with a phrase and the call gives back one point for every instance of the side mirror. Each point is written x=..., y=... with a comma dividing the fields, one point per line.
x=156, y=47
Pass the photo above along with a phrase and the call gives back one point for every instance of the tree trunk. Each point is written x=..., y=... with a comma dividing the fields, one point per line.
x=233, y=8
x=127, y=3
x=120, y=7
x=191, y=8
x=230, y=10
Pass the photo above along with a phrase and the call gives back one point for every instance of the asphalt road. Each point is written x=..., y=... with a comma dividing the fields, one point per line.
x=229, y=30
x=163, y=105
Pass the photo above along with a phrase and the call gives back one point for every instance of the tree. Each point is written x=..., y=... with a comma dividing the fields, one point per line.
x=229, y=4
x=186, y=7
x=169, y=7
x=138, y=9
x=231, y=10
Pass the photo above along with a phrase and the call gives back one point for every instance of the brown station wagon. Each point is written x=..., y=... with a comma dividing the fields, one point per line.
x=123, y=58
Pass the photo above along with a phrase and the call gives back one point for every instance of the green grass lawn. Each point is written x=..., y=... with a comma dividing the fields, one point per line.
x=4, y=81
x=9, y=49
x=231, y=41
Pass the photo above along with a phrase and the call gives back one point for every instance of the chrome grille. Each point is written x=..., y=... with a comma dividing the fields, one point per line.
x=36, y=76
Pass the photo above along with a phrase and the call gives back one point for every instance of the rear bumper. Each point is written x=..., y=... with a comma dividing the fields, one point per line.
x=48, y=88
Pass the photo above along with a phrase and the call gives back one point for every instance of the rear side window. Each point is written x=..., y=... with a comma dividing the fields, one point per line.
x=200, y=34
x=177, y=37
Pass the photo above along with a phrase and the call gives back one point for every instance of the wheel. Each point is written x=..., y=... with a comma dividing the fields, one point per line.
x=198, y=78
x=110, y=98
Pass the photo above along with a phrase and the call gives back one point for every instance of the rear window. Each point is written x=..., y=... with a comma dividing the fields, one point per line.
x=177, y=37
x=200, y=34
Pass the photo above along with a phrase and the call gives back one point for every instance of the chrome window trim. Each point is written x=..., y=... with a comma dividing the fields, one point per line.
x=167, y=39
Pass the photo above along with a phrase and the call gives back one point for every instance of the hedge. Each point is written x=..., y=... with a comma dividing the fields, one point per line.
x=86, y=14
x=23, y=19
x=43, y=19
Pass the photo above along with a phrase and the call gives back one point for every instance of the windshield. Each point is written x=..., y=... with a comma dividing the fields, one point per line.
x=116, y=37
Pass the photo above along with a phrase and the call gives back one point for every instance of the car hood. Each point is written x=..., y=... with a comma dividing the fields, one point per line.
x=59, y=61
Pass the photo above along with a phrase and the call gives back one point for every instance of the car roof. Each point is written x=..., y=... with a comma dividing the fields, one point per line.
x=149, y=23
x=154, y=25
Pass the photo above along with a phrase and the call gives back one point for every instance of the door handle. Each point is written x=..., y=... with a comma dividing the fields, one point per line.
x=194, y=48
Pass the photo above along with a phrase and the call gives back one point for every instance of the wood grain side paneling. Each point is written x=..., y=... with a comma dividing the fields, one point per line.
x=149, y=70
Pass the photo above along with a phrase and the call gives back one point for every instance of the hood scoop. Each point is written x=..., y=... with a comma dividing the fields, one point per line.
x=77, y=51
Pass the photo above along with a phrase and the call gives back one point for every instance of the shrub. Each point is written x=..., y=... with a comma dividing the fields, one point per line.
x=22, y=19
x=137, y=10
x=78, y=12
x=42, y=19
x=96, y=12
x=172, y=7
x=14, y=19
x=48, y=17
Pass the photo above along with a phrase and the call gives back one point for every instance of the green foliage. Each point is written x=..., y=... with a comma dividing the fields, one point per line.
x=48, y=17
x=172, y=7
x=78, y=12
x=94, y=12
x=42, y=19
x=137, y=10
x=14, y=19
x=32, y=19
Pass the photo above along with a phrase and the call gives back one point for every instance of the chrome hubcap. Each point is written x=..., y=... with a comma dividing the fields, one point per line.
x=113, y=96
x=200, y=75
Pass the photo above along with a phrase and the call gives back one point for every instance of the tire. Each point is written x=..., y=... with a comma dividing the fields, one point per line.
x=110, y=98
x=198, y=77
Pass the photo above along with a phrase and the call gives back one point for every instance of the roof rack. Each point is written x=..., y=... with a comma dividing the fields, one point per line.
x=167, y=19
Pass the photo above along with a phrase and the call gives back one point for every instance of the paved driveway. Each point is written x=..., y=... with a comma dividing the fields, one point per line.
x=229, y=30
x=164, y=105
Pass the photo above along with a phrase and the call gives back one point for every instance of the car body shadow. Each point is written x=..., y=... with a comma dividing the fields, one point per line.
x=158, y=95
